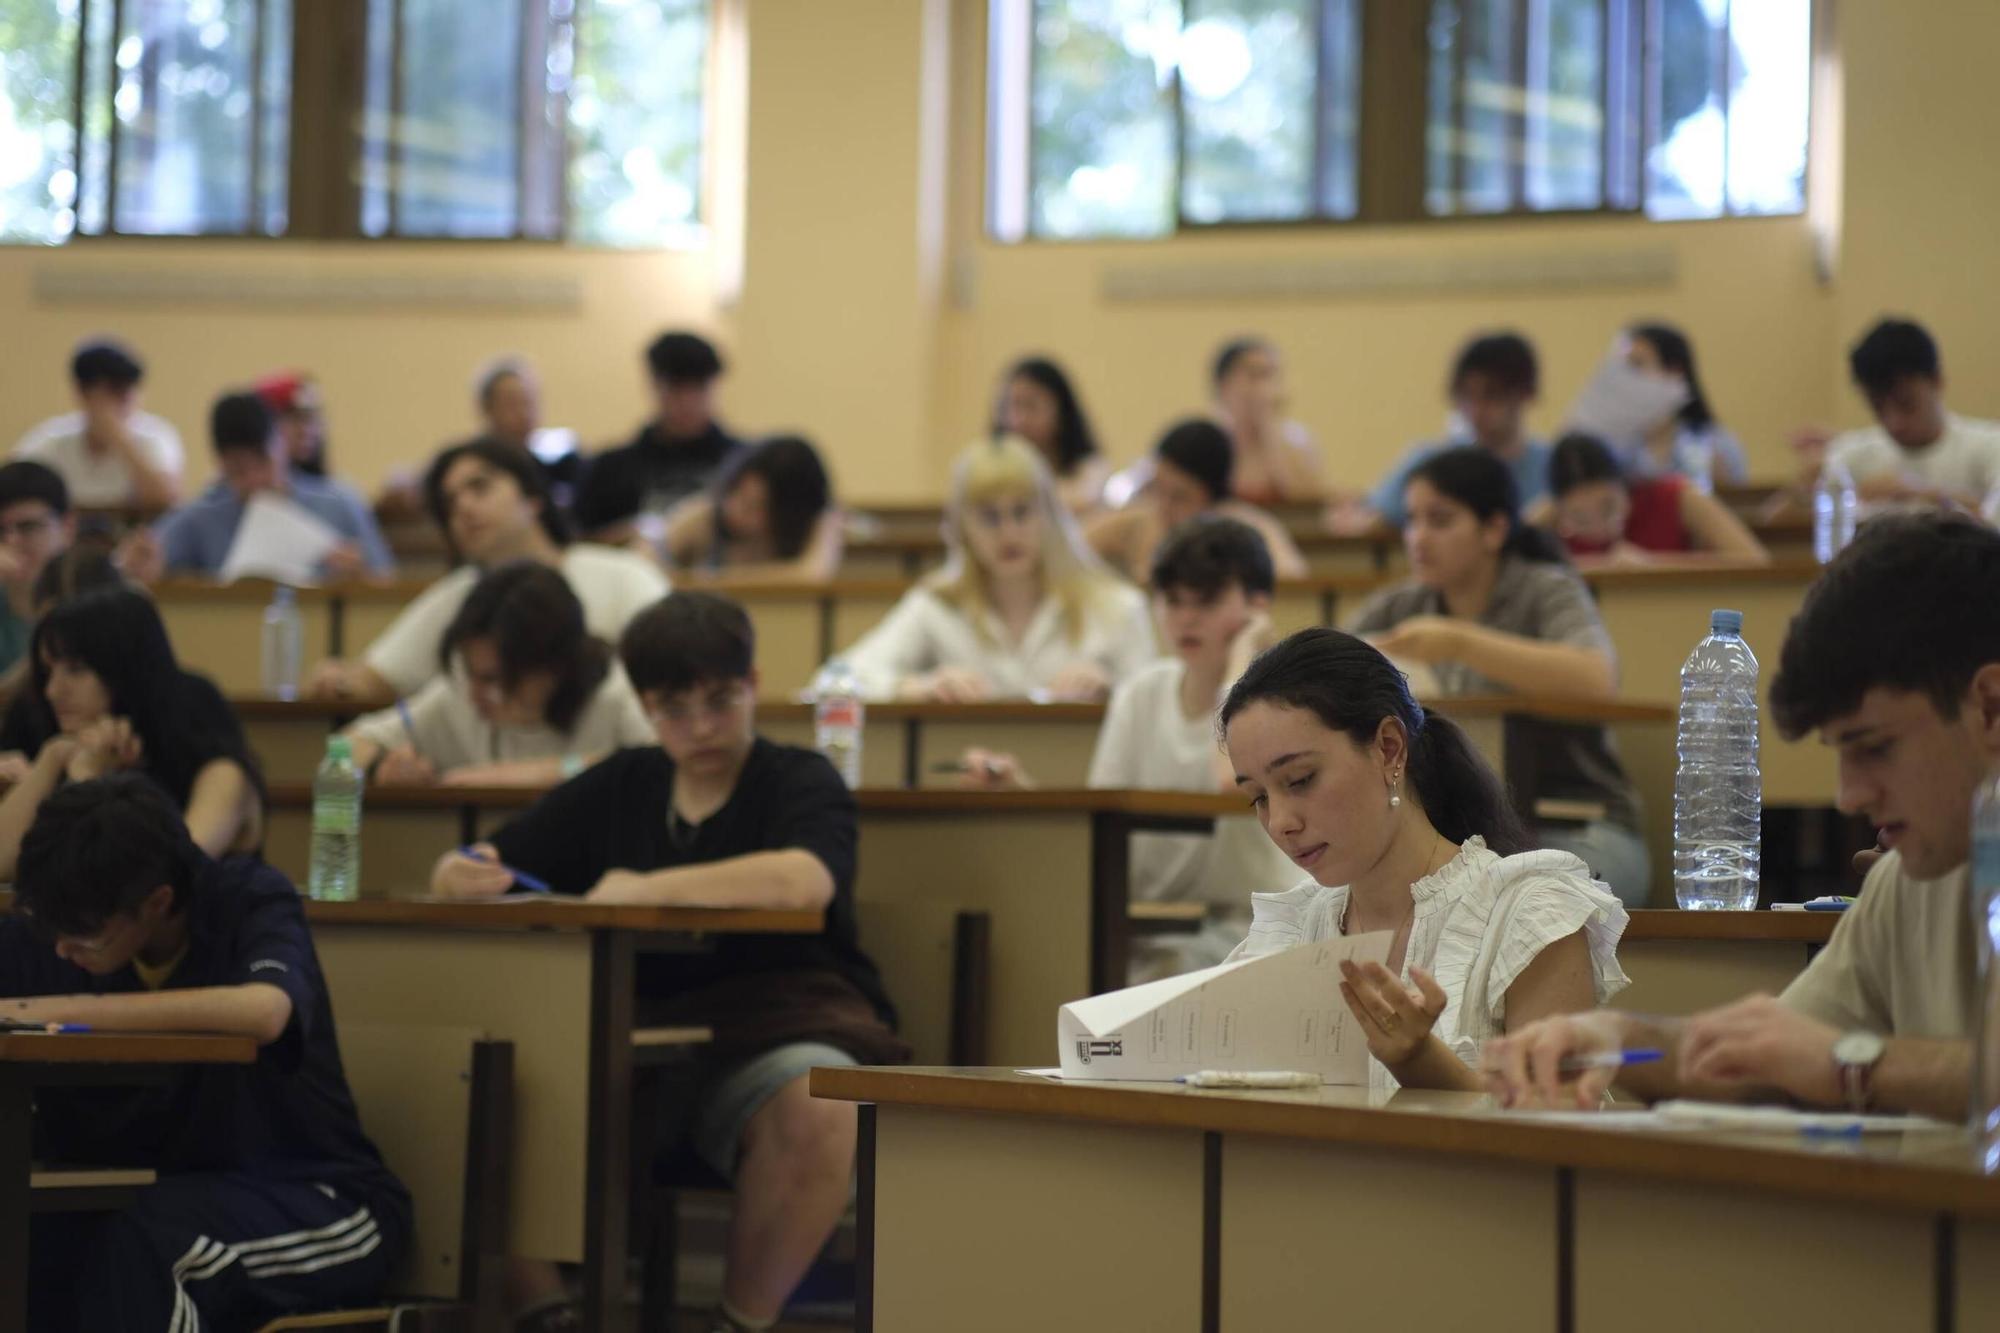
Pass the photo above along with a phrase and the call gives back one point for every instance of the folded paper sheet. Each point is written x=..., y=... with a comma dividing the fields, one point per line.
x=1620, y=404
x=280, y=540
x=1280, y=1011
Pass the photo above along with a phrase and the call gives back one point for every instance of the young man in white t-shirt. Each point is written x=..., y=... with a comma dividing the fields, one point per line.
x=1212, y=582
x=1917, y=450
x=108, y=452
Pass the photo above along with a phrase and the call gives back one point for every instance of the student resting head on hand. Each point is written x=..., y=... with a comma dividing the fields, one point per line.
x=1401, y=827
x=1021, y=607
x=770, y=515
x=1039, y=404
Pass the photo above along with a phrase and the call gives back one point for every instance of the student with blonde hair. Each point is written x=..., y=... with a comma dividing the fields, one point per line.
x=1021, y=607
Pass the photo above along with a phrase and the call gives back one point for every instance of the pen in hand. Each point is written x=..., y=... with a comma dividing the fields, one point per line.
x=521, y=877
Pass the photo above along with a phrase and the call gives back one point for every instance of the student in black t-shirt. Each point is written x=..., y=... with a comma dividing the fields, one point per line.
x=716, y=816
x=674, y=455
x=107, y=695
x=270, y=1200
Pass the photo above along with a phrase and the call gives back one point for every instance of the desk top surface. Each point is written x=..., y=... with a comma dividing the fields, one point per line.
x=125, y=1048
x=540, y=912
x=1927, y=1171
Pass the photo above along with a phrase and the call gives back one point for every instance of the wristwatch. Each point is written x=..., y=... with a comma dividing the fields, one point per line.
x=1855, y=1055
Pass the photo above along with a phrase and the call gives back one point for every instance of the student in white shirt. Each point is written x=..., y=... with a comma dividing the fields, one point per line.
x=493, y=503
x=530, y=697
x=1020, y=609
x=1917, y=450
x=1401, y=827
x=1193, y=470
x=1212, y=586
x=108, y=452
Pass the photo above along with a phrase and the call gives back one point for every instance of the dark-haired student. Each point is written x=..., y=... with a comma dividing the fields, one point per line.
x=1039, y=404
x=493, y=504
x=528, y=696
x=1603, y=514
x=770, y=515
x=1491, y=608
x=107, y=695
x=1212, y=584
x=254, y=458
x=1193, y=470
x=270, y=1200
x=1691, y=443
x=36, y=526
x=1276, y=458
x=715, y=816
x=1494, y=381
x=1884, y=664
x=1918, y=449
x=680, y=451
x=1401, y=827
x=108, y=452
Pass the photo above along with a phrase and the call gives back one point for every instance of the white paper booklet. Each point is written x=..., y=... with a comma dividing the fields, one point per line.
x=279, y=540
x=1280, y=1011
x=1621, y=404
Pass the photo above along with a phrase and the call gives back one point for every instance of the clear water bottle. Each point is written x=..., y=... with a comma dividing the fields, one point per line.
x=284, y=644
x=837, y=716
x=1834, y=510
x=1718, y=792
x=1985, y=905
x=335, y=873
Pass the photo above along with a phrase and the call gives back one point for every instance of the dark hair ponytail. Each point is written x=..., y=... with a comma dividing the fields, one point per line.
x=1470, y=475
x=1350, y=687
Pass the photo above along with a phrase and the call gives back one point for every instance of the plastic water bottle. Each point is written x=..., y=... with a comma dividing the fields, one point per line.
x=1718, y=792
x=837, y=715
x=335, y=874
x=1834, y=511
x=1985, y=905
x=284, y=644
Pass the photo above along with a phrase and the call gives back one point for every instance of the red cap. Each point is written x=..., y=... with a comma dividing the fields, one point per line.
x=289, y=391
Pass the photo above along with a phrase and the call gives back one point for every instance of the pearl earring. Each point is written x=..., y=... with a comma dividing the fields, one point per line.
x=1395, y=791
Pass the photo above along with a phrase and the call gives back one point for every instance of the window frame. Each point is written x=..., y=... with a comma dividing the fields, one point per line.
x=326, y=135
x=1393, y=112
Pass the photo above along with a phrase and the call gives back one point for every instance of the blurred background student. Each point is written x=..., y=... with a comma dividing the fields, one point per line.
x=1020, y=609
x=1602, y=514
x=1193, y=470
x=1040, y=405
x=771, y=515
x=1276, y=458
x=1691, y=443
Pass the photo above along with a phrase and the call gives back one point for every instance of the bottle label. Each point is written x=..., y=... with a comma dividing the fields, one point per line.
x=838, y=712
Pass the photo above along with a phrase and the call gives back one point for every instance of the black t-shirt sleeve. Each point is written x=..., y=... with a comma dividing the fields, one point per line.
x=271, y=943
x=569, y=838
x=812, y=810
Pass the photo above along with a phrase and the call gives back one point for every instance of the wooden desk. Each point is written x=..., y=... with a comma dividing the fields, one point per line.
x=1017, y=1202
x=30, y=1061
x=555, y=978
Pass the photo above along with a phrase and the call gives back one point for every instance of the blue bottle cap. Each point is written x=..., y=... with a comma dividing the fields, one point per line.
x=1725, y=622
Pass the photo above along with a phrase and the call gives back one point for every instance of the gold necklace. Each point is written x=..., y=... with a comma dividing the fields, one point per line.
x=1410, y=916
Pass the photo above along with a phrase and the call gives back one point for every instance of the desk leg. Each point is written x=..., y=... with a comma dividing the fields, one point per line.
x=15, y=1133
x=864, y=1219
x=1110, y=881
x=608, y=1170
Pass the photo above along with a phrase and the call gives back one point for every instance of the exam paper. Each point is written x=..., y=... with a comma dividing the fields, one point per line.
x=280, y=540
x=1279, y=1011
x=1620, y=404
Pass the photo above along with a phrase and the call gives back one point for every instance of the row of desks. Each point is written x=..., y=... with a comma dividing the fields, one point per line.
x=1191, y=1211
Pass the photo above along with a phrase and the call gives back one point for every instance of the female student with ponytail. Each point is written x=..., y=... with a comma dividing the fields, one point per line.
x=1492, y=609
x=1403, y=828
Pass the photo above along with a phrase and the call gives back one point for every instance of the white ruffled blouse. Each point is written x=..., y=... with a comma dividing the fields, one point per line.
x=1480, y=919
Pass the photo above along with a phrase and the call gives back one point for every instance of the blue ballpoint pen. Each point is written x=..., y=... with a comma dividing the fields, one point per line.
x=1576, y=1064
x=521, y=877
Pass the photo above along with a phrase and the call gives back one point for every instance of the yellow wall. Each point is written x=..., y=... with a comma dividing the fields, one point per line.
x=872, y=313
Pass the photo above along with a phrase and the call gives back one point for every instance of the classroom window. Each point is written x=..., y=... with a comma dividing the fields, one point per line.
x=1141, y=118
x=1682, y=108
x=1145, y=115
x=560, y=120
x=179, y=125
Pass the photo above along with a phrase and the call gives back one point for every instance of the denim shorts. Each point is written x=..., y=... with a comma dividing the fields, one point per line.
x=727, y=1100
